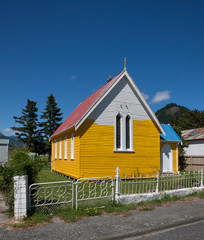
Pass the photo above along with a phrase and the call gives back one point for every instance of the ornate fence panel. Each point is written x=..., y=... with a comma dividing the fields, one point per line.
x=50, y=194
x=94, y=192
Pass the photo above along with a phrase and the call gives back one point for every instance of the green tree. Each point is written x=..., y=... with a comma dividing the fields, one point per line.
x=189, y=120
x=182, y=159
x=28, y=131
x=52, y=117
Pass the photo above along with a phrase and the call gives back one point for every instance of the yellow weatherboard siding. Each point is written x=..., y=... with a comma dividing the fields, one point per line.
x=175, y=155
x=97, y=156
x=68, y=166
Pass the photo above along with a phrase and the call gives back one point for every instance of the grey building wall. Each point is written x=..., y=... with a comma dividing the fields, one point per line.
x=4, y=150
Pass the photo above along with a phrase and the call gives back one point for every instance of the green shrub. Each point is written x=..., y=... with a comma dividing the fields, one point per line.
x=20, y=164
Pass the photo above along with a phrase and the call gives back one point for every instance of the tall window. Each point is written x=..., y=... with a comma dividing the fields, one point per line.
x=123, y=133
x=55, y=148
x=60, y=149
x=127, y=125
x=72, y=146
x=65, y=147
x=118, y=131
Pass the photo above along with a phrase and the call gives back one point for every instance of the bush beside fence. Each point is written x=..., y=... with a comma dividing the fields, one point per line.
x=97, y=192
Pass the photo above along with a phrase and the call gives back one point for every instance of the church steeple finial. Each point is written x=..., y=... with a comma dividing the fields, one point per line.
x=125, y=62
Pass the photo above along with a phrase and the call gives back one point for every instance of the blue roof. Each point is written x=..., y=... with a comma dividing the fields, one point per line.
x=171, y=135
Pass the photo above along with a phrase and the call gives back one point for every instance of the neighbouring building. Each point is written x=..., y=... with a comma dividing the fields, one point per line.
x=194, y=153
x=4, y=142
x=114, y=127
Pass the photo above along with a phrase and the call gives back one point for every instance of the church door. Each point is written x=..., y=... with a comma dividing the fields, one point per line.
x=166, y=158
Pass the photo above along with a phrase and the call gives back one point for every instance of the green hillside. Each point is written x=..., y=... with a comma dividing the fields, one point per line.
x=169, y=112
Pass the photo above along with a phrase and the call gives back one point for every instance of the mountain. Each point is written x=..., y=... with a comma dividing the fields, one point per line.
x=13, y=140
x=167, y=113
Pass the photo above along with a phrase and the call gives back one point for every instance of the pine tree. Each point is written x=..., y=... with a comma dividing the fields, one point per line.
x=52, y=117
x=28, y=131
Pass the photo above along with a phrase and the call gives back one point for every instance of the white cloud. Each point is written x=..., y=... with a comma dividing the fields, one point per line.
x=161, y=96
x=9, y=131
x=146, y=96
x=73, y=77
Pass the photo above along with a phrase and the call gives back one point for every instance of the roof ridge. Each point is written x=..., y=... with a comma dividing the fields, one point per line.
x=85, y=106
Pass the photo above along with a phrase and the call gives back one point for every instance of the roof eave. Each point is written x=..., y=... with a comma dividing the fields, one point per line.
x=62, y=131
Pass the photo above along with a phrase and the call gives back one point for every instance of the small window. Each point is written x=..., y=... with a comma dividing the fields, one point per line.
x=72, y=146
x=55, y=149
x=127, y=123
x=65, y=147
x=118, y=131
x=60, y=149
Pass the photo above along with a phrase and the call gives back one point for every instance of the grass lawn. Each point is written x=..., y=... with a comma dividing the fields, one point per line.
x=45, y=175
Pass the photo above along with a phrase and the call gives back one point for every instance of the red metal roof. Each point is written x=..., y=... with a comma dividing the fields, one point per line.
x=82, y=109
x=193, y=134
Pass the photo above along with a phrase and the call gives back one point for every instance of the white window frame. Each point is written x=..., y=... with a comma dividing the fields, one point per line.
x=65, y=147
x=123, y=134
x=60, y=148
x=55, y=149
x=72, y=147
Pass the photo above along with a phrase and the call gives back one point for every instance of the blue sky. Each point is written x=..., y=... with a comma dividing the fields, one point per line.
x=69, y=48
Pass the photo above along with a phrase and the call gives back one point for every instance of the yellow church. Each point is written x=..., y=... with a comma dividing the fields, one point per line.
x=114, y=127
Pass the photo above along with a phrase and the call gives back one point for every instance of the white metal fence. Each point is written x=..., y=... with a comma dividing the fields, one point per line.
x=161, y=183
x=97, y=192
x=85, y=192
x=94, y=191
x=44, y=195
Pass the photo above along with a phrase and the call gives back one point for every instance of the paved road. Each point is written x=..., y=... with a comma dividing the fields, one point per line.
x=187, y=231
x=108, y=226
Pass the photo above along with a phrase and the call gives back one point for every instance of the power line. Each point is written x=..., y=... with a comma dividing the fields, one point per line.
x=185, y=67
x=194, y=3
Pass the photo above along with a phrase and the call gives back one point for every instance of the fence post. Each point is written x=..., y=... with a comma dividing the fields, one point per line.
x=72, y=195
x=117, y=187
x=201, y=182
x=20, y=196
x=76, y=195
x=157, y=186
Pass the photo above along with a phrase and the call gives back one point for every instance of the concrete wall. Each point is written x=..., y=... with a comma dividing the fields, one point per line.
x=136, y=198
x=20, y=196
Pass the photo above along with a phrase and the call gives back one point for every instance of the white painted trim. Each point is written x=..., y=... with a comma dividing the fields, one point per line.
x=137, y=92
x=123, y=134
x=72, y=146
x=55, y=149
x=146, y=105
x=98, y=101
x=63, y=131
x=65, y=147
x=127, y=151
x=60, y=148
x=131, y=133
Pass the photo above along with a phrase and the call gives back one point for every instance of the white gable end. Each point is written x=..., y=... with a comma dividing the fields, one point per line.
x=122, y=99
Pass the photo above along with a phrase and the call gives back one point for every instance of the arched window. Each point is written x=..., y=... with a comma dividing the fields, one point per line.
x=123, y=133
x=118, y=131
x=127, y=126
